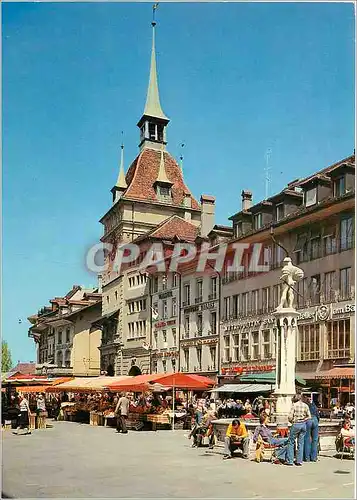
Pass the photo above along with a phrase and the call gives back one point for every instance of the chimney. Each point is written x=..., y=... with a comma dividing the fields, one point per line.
x=187, y=202
x=207, y=214
x=247, y=198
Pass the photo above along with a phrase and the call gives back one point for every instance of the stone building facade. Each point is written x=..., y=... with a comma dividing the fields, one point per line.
x=313, y=220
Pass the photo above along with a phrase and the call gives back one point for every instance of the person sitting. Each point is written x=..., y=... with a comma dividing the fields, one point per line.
x=267, y=437
x=347, y=433
x=236, y=437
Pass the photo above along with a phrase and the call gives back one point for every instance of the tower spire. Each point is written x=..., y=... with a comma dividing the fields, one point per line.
x=162, y=176
x=153, y=122
x=153, y=106
x=120, y=185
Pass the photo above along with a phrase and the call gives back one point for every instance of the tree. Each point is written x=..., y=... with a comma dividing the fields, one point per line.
x=6, y=362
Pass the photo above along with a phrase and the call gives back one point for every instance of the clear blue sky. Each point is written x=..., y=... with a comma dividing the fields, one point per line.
x=235, y=79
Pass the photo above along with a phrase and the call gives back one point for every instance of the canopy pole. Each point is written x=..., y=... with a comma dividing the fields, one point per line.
x=173, y=407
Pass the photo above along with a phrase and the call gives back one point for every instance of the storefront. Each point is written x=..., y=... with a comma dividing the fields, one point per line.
x=337, y=385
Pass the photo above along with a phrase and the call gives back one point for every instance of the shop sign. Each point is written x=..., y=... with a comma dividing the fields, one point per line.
x=164, y=295
x=162, y=324
x=347, y=309
x=201, y=307
x=195, y=342
x=248, y=369
x=306, y=315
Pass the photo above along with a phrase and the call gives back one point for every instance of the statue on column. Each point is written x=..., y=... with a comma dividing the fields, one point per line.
x=290, y=275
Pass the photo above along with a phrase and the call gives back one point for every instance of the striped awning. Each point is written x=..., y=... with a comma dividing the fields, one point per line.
x=337, y=372
x=244, y=388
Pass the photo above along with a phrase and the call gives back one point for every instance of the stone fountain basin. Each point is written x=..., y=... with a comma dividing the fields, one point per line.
x=328, y=430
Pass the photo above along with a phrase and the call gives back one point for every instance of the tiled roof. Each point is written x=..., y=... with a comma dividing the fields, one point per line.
x=24, y=368
x=143, y=173
x=172, y=227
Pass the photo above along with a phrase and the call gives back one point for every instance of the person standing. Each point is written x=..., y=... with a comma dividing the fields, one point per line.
x=24, y=417
x=122, y=412
x=312, y=433
x=298, y=416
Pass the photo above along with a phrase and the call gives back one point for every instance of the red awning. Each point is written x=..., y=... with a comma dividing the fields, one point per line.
x=337, y=372
x=177, y=380
x=32, y=388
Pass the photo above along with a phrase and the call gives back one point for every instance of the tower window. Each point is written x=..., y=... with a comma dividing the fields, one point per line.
x=164, y=191
x=152, y=131
x=160, y=132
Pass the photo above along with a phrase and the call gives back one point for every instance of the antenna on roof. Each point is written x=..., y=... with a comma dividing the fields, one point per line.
x=181, y=156
x=267, y=170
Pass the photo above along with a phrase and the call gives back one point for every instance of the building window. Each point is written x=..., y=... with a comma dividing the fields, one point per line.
x=164, y=339
x=164, y=282
x=330, y=286
x=258, y=221
x=186, y=294
x=164, y=365
x=164, y=309
x=174, y=280
x=155, y=284
x=301, y=249
x=59, y=359
x=338, y=339
x=346, y=233
x=174, y=337
x=173, y=307
x=60, y=337
x=212, y=351
x=131, y=307
x=226, y=349
x=315, y=247
x=156, y=345
x=199, y=324
x=310, y=197
x=244, y=346
x=116, y=295
x=267, y=354
x=199, y=357
x=213, y=288
x=302, y=295
x=309, y=342
x=279, y=255
x=226, y=308
x=255, y=345
x=67, y=361
x=279, y=210
x=339, y=186
x=154, y=365
x=213, y=323
x=245, y=303
x=329, y=244
x=345, y=283
x=276, y=295
x=255, y=301
x=238, y=229
x=266, y=299
x=315, y=289
x=68, y=335
x=235, y=306
x=236, y=349
x=152, y=131
x=187, y=326
x=198, y=291
x=186, y=357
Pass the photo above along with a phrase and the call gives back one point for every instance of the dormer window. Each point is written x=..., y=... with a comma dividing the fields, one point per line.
x=258, y=221
x=339, y=187
x=238, y=229
x=279, y=211
x=310, y=197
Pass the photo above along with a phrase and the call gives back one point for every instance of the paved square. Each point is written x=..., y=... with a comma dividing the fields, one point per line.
x=76, y=461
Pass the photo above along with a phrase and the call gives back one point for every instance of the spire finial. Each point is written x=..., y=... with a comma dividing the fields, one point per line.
x=121, y=182
x=181, y=157
x=153, y=106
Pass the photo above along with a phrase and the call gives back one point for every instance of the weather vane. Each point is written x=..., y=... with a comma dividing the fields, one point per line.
x=154, y=7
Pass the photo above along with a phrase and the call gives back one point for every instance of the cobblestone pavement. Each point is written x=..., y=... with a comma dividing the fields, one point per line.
x=77, y=461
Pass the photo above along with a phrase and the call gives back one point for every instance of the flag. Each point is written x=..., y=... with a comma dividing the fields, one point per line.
x=154, y=314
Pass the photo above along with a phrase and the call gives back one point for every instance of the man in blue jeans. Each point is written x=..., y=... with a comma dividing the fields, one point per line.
x=298, y=416
x=312, y=432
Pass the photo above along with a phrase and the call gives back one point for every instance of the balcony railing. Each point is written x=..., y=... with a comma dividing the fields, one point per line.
x=212, y=296
x=198, y=300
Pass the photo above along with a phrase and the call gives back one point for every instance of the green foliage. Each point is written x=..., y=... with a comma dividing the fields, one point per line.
x=6, y=362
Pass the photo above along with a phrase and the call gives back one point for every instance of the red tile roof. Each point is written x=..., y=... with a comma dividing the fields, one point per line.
x=24, y=368
x=143, y=173
x=172, y=227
